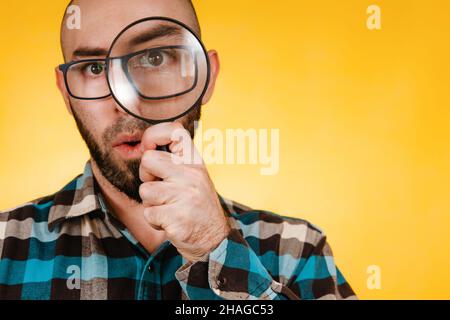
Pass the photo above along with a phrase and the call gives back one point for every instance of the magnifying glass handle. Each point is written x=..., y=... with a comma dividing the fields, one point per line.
x=163, y=148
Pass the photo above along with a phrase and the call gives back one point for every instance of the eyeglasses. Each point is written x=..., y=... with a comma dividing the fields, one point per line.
x=155, y=73
x=86, y=79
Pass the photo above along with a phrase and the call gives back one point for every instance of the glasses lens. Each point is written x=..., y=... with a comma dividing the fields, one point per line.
x=87, y=79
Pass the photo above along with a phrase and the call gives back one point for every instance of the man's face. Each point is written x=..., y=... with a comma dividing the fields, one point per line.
x=112, y=135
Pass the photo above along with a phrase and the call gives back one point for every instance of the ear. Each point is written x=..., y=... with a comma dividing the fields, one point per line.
x=215, y=69
x=62, y=88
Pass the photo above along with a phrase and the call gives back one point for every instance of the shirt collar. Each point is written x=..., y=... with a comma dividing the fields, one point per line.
x=76, y=199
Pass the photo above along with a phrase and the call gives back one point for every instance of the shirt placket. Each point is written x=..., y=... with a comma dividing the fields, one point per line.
x=148, y=286
x=149, y=280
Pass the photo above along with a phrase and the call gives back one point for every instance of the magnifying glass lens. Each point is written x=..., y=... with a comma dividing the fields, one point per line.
x=157, y=70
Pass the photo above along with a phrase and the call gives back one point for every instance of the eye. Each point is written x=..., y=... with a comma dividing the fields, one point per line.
x=153, y=58
x=95, y=68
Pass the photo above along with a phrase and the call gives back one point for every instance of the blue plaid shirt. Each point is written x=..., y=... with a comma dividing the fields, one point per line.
x=68, y=246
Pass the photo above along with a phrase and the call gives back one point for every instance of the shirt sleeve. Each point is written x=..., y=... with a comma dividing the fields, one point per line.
x=233, y=271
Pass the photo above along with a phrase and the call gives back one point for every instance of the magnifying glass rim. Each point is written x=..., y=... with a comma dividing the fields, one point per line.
x=208, y=69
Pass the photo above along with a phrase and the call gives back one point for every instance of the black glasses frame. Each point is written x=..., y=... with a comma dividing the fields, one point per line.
x=64, y=68
x=124, y=63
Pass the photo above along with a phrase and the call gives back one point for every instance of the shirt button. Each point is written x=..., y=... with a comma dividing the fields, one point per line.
x=221, y=281
x=150, y=268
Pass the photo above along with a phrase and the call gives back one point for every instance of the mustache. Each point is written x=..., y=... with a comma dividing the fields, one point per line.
x=125, y=125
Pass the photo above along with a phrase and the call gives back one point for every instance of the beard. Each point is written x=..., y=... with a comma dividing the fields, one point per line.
x=124, y=174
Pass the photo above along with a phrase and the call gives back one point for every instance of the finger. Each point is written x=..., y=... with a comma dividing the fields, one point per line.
x=144, y=170
x=159, y=164
x=158, y=217
x=156, y=193
x=170, y=133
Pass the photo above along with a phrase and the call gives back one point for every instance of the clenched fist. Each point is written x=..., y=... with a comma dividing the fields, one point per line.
x=178, y=194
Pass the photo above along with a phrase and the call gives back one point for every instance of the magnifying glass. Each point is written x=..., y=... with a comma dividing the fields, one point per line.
x=158, y=70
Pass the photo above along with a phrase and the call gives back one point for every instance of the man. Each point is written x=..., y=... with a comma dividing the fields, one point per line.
x=136, y=225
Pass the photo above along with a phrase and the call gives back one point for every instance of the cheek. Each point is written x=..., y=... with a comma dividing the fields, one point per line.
x=96, y=116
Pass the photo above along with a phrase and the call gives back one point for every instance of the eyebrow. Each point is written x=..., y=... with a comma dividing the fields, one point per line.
x=89, y=52
x=158, y=32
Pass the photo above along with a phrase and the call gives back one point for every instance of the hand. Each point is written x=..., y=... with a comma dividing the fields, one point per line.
x=183, y=202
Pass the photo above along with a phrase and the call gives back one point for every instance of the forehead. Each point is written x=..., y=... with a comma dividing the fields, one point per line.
x=102, y=20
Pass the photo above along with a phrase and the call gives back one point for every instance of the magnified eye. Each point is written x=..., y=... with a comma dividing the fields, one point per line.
x=153, y=59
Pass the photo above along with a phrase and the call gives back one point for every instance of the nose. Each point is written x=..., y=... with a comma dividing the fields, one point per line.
x=118, y=106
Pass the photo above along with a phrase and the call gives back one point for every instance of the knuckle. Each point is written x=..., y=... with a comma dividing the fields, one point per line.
x=147, y=138
x=153, y=216
x=159, y=195
x=142, y=174
x=145, y=190
x=177, y=125
x=148, y=158
x=150, y=213
x=184, y=236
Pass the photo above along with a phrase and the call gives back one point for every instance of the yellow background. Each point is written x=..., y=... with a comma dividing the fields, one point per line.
x=364, y=119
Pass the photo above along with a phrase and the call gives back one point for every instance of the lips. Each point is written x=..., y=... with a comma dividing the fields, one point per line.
x=128, y=146
x=131, y=140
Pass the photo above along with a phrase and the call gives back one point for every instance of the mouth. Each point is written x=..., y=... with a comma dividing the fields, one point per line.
x=132, y=143
x=129, y=146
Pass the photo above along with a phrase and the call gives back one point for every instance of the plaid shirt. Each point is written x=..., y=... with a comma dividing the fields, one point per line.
x=67, y=246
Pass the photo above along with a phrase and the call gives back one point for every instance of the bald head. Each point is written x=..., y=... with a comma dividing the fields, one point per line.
x=101, y=20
